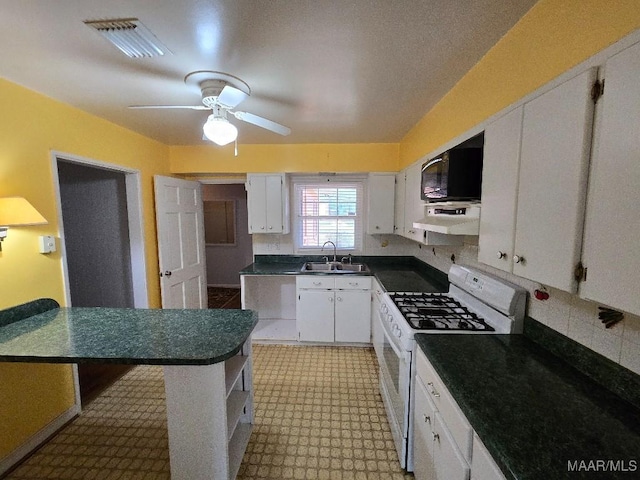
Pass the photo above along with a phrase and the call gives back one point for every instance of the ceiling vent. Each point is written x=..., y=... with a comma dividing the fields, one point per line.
x=130, y=36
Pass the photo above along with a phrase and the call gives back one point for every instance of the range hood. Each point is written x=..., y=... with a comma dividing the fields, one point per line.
x=451, y=219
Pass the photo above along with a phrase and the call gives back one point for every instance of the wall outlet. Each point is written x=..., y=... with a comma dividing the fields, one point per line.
x=47, y=243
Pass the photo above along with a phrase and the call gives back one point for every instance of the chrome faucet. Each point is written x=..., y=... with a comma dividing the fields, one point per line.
x=334, y=249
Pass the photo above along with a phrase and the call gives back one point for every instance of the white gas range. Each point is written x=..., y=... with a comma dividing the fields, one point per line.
x=476, y=303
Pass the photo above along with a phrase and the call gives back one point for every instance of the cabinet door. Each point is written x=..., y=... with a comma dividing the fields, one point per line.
x=266, y=204
x=482, y=465
x=314, y=315
x=448, y=461
x=400, y=200
x=273, y=205
x=353, y=316
x=499, y=190
x=556, y=141
x=381, y=193
x=612, y=226
x=423, y=443
x=414, y=206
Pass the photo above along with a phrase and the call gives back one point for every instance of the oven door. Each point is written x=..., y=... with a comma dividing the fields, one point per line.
x=395, y=380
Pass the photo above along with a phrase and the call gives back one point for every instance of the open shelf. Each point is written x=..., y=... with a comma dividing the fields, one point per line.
x=233, y=370
x=235, y=408
x=237, y=447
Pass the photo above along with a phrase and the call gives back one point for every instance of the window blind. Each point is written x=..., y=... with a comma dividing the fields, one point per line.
x=329, y=212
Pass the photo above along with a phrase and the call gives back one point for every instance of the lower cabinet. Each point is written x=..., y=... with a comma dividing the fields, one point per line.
x=445, y=446
x=330, y=309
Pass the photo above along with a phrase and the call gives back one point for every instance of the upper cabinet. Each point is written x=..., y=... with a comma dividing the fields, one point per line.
x=613, y=224
x=398, y=228
x=534, y=185
x=413, y=204
x=381, y=200
x=268, y=203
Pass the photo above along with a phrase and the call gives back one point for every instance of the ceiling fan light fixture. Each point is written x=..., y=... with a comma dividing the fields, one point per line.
x=219, y=130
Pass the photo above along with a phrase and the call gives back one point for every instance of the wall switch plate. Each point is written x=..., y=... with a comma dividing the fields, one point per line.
x=47, y=243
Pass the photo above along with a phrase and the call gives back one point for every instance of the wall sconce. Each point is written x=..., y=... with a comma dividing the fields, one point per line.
x=17, y=212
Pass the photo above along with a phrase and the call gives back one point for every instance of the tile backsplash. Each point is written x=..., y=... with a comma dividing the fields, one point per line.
x=566, y=313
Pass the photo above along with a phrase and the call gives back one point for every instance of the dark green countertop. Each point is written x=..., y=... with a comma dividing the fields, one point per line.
x=395, y=273
x=127, y=336
x=533, y=411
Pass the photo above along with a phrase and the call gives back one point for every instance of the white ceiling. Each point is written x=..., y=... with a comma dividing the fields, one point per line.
x=334, y=71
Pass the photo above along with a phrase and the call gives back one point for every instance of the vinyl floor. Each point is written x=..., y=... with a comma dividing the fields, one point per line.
x=318, y=415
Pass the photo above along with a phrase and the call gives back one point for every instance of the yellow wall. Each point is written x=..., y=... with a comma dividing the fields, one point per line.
x=554, y=36
x=31, y=126
x=372, y=157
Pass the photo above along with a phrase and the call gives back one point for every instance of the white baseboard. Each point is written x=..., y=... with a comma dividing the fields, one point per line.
x=15, y=457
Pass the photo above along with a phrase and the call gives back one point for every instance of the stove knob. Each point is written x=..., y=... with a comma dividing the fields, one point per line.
x=390, y=318
x=384, y=308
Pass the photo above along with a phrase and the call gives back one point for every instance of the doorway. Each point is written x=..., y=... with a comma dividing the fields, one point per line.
x=99, y=244
x=228, y=244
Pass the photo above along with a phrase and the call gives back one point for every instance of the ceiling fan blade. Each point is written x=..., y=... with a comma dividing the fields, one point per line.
x=262, y=122
x=189, y=107
x=231, y=96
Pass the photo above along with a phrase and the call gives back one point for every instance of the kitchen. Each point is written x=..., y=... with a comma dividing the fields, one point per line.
x=552, y=38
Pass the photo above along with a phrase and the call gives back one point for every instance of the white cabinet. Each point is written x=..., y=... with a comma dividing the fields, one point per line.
x=413, y=206
x=400, y=200
x=268, y=203
x=331, y=309
x=213, y=403
x=442, y=435
x=549, y=176
x=482, y=465
x=381, y=200
x=612, y=223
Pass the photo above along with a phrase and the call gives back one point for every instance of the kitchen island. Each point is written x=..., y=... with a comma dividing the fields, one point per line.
x=206, y=358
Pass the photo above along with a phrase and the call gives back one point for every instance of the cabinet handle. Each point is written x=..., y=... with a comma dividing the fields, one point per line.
x=354, y=284
x=331, y=299
x=436, y=437
x=339, y=299
x=377, y=227
x=501, y=255
x=433, y=390
x=270, y=227
x=317, y=284
x=426, y=418
x=167, y=273
x=518, y=259
x=262, y=228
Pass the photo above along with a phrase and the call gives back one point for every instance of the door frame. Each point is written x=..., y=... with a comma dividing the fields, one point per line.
x=136, y=226
x=136, y=233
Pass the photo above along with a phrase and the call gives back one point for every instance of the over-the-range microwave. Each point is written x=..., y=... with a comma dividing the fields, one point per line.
x=455, y=175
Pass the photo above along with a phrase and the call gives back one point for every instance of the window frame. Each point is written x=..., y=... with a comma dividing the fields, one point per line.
x=359, y=182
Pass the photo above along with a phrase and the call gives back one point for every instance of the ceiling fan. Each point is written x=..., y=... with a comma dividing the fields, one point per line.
x=221, y=93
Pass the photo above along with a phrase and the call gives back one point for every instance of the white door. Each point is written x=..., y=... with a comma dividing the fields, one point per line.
x=314, y=313
x=380, y=212
x=180, y=227
x=414, y=206
x=554, y=162
x=612, y=226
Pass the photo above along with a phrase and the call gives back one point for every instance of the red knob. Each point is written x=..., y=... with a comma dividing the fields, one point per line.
x=541, y=294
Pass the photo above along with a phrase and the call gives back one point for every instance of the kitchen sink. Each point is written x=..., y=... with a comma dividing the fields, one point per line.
x=334, y=267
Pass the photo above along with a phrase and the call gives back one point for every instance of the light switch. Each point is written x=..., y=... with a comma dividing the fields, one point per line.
x=47, y=243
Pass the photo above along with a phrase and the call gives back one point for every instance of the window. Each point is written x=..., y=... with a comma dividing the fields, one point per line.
x=328, y=211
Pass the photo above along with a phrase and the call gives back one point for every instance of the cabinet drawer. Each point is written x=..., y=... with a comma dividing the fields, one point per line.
x=455, y=420
x=353, y=283
x=315, y=281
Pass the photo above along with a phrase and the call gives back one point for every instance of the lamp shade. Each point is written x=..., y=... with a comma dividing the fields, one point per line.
x=219, y=130
x=17, y=211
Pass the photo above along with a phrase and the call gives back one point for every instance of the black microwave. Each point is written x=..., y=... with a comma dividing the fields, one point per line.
x=455, y=175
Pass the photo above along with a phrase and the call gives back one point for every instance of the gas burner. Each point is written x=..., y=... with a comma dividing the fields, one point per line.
x=437, y=311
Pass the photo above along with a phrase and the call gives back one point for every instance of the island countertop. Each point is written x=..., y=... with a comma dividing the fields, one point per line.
x=127, y=336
